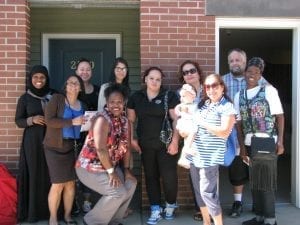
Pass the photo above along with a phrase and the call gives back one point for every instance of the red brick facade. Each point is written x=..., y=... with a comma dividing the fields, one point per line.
x=14, y=58
x=171, y=32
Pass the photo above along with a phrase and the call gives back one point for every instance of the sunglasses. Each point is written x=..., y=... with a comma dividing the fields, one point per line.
x=213, y=86
x=191, y=71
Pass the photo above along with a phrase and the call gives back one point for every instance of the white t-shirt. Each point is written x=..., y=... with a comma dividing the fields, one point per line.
x=101, y=98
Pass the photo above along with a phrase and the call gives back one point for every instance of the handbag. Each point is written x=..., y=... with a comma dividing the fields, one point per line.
x=166, y=130
x=265, y=145
x=262, y=145
x=230, y=148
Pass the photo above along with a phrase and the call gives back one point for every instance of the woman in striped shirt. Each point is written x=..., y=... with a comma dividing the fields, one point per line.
x=214, y=121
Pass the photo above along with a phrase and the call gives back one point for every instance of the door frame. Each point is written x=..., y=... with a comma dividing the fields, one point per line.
x=276, y=23
x=47, y=36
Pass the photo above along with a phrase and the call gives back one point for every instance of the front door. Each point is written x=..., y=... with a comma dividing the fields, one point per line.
x=65, y=53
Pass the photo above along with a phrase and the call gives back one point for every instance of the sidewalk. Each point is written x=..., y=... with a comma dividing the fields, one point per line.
x=286, y=215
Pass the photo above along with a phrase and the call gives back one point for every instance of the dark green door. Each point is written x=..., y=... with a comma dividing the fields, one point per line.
x=64, y=54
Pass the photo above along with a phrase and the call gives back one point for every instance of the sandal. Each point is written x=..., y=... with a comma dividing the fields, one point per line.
x=198, y=216
x=70, y=222
x=127, y=213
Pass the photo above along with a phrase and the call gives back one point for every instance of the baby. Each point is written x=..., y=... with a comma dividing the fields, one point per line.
x=185, y=124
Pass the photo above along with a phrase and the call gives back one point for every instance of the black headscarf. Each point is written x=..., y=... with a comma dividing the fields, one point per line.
x=46, y=88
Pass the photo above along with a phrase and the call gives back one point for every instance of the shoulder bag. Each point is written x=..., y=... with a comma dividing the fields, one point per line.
x=166, y=130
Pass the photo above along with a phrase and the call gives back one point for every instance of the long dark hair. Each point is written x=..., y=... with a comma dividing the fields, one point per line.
x=112, y=78
x=196, y=65
x=221, y=82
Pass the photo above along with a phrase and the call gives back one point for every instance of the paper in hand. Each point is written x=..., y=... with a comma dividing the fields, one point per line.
x=88, y=115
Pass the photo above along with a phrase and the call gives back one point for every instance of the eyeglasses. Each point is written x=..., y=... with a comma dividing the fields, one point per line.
x=73, y=83
x=191, y=71
x=119, y=69
x=213, y=86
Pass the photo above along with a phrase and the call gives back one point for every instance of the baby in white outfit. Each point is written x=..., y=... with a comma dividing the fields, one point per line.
x=185, y=125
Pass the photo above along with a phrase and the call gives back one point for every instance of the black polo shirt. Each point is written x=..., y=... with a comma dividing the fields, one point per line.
x=150, y=114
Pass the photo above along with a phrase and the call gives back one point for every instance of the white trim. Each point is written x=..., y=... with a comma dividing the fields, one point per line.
x=277, y=23
x=79, y=4
x=295, y=191
x=47, y=36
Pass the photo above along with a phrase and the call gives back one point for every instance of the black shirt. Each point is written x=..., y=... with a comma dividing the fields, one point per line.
x=91, y=99
x=150, y=114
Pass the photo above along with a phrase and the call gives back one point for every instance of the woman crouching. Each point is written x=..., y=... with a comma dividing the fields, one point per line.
x=97, y=165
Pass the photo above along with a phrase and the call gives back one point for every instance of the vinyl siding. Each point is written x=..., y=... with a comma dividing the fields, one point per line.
x=89, y=20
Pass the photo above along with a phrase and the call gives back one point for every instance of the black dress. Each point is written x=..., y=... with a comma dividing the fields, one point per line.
x=33, y=177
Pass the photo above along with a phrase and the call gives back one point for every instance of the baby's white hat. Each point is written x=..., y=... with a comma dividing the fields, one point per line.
x=189, y=88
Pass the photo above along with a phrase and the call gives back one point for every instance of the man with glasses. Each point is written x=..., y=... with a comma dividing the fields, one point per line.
x=235, y=81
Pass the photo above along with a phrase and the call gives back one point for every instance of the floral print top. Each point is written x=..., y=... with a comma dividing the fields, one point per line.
x=116, y=144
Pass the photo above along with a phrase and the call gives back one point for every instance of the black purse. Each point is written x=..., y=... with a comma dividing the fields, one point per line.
x=262, y=145
x=265, y=145
x=166, y=132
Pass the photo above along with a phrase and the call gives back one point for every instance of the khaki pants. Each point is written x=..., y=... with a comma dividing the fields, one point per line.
x=110, y=209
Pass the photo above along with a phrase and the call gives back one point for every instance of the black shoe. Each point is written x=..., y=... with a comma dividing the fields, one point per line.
x=253, y=221
x=237, y=209
x=198, y=216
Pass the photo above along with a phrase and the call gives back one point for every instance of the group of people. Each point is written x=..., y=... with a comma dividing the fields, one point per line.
x=52, y=139
x=203, y=113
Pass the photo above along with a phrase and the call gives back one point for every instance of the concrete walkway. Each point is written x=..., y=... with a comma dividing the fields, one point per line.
x=286, y=215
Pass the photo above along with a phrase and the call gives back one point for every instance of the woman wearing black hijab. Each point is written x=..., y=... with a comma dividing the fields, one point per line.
x=33, y=177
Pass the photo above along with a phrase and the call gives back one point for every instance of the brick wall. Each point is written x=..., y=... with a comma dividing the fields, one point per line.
x=14, y=50
x=171, y=32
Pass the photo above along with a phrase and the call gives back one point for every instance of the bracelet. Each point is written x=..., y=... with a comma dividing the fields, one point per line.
x=110, y=170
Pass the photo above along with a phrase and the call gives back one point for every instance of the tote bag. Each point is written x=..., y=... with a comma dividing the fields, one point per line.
x=230, y=148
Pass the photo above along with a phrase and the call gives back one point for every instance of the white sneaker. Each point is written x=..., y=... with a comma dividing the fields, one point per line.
x=169, y=211
x=155, y=216
x=87, y=206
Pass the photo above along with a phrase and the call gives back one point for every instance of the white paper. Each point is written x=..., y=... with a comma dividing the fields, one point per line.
x=88, y=115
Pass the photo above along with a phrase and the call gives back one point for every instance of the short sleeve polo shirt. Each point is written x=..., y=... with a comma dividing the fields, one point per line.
x=150, y=114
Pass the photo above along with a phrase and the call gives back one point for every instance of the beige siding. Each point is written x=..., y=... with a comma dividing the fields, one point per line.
x=90, y=20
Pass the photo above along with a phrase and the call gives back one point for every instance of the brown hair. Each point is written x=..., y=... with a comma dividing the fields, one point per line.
x=220, y=81
x=196, y=65
x=147, y=71
x=82, y=89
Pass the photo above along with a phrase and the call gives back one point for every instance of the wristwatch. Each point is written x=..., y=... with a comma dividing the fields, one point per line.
x=110, y=170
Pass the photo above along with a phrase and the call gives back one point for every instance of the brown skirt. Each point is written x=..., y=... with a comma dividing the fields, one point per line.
x=61, y=165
